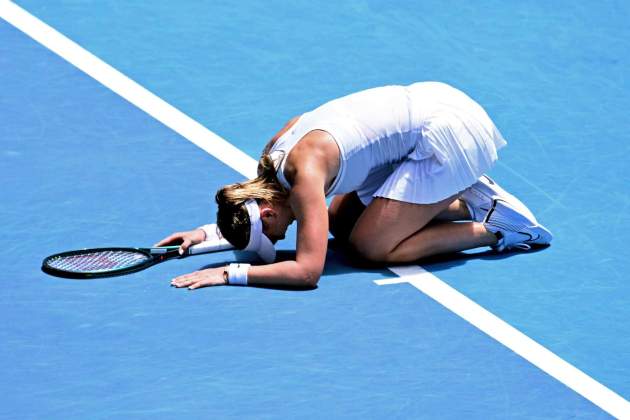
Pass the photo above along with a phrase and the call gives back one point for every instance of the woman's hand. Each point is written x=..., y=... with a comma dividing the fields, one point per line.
x=183, y=239
x=202, y=278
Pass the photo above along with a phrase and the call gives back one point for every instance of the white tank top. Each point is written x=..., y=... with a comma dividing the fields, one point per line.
x=378, y=128
x=373, y=129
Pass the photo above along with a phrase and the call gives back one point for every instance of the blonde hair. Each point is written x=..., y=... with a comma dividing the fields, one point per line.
x=232, y=217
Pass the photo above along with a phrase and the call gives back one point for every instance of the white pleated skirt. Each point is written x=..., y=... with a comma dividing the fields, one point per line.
x=458, y=144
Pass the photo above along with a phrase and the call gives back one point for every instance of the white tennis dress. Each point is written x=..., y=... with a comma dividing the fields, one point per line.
x=420, y=143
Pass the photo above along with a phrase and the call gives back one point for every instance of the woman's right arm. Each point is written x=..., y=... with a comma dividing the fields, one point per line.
x=308, y=202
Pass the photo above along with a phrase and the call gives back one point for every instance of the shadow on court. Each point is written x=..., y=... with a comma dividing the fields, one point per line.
x=341, y=262
x=448, y=261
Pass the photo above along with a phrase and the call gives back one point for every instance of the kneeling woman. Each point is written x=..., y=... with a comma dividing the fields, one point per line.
x=405, y=165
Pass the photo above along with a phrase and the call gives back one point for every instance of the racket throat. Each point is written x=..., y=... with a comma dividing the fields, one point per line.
x=166, y=252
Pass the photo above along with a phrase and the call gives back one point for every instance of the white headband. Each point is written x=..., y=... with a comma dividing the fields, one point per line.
x=258, y=241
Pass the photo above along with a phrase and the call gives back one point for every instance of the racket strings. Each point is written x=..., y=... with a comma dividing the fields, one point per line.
x=98, y=261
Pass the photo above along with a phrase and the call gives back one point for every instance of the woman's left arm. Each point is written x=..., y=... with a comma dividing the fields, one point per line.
x=309, y=207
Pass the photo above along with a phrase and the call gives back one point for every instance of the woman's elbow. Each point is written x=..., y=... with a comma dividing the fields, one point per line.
x=310, y=278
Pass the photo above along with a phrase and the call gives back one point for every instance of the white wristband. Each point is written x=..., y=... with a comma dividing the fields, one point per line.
x=209, y=230
x=237, y=274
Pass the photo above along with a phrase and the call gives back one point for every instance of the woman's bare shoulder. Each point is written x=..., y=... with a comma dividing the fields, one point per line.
x=279, y=134
x=315, y=156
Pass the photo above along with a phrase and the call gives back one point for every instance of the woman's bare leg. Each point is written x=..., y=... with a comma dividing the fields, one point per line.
x=456, y=211
x=345, y=210
x=395, y=231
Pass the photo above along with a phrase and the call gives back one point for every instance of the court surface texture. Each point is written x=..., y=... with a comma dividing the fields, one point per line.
x=119, y=120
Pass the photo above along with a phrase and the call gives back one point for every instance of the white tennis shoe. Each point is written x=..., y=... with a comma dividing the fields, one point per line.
x=514, y=228
x=480, y=197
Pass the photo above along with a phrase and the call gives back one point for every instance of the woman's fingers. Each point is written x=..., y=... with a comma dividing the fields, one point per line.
x=196, y=285
x=175, y=237
x=192, y=281
x=184, y=246
x=183, y=239
x=185, y=280
x=203, y=278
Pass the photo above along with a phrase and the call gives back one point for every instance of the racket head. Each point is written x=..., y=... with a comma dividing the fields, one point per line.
x=98, y=262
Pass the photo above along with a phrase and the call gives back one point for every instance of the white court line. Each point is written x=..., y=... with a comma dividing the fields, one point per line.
x=236, y=159
x=128, y=89
x=511, y=338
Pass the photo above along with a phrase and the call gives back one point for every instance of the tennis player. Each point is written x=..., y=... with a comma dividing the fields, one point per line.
x=404, y=166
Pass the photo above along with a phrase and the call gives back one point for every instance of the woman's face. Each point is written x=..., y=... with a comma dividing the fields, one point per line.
x=276, y=220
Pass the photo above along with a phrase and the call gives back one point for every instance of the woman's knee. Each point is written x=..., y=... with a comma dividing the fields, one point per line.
x=368, y=248
x=374, y=250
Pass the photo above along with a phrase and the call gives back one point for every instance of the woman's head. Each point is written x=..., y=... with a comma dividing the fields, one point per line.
x=271, y=196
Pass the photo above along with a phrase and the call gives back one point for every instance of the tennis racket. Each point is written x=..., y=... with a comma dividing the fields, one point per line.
x=110, y=262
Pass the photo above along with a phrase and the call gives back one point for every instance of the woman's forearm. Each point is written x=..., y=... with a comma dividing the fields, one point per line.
x=285, y=273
